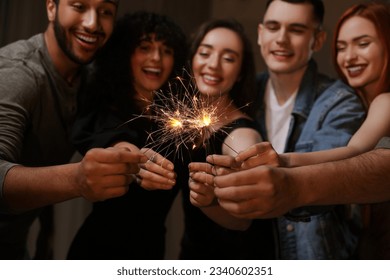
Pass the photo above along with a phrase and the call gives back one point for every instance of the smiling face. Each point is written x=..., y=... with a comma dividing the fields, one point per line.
x=82, y=27
x=360, y=54
x=288, y=36
x=151, y=64
x=216, y=64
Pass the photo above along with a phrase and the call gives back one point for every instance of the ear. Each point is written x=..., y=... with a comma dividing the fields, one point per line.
x=319, y=41
x=260, y=28
x=51, y=8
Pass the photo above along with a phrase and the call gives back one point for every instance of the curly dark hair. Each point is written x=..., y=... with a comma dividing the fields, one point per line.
x=112, y=71
x=243, y=91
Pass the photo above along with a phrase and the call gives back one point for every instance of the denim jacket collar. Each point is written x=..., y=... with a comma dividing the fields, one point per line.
x=312, y=84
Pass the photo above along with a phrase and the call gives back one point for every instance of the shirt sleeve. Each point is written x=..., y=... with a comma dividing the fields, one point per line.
x=18, y=88
x=335, y=117
x=384, y=143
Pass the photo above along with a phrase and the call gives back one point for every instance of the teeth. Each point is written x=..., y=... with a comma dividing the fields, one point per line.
x=355, y=68
x=281, y=53
x=153, y=70
x=87, y=39
x=210, y=78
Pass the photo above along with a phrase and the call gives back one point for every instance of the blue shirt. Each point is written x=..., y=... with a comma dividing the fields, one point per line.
x=326, y=114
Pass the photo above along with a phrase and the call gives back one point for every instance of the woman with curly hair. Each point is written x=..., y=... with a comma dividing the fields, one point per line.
x=144, y=52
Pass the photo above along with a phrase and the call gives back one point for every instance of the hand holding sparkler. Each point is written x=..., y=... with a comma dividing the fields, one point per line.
x=260, y=154
x=201, y=184
x=106, y=173
x=201, y=181
x=202, y=195
x=157, y=172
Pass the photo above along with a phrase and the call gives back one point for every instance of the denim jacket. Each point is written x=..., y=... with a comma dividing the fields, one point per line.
x=325, y=115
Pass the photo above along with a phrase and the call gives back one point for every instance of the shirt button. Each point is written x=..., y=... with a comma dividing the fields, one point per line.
x=290, y=227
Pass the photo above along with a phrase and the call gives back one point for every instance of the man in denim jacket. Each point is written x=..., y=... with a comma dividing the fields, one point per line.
x=301, y=110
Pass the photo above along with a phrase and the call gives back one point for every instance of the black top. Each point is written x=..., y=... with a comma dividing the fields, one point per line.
x=204, y=239
x=131, y=226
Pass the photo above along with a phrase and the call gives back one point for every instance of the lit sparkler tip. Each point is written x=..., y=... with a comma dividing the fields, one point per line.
x=175, y=123
x=206, y=120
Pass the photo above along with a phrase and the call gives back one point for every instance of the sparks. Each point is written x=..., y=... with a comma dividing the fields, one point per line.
x=184, y=120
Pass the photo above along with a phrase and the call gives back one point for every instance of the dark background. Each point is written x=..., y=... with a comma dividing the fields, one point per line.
x=19, y=19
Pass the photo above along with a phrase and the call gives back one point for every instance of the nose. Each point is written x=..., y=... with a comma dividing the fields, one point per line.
x=350, y=54
x=213, y=61
x=156, y=54
x=282, y=36
x=91, y=21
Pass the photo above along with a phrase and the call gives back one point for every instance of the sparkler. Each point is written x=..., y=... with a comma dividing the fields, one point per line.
x=184, y=120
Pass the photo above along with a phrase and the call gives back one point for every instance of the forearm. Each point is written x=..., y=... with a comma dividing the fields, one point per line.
x=27, y=188
x=361, y=179
x=309, y=158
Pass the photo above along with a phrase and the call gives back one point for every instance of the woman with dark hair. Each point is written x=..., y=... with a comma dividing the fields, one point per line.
x=144, y=52
x=223, y=68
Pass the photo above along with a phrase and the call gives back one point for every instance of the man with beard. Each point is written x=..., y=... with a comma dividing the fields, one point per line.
x=40, y=79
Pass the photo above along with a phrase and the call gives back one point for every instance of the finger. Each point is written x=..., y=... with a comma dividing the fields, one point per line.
x=223, y=161
x=200, y=167
x=238, y=178
x=222, y=171
x=254, y=151
x=233, y=193
x=104, y=169
x=201, y=188
x=202, y=177
x=200, y=200
x=158, y=169
x=158, y=159
x=269, y=157
x=253, y=162
x=194, y=199
x=114, y=155
x=146, y=175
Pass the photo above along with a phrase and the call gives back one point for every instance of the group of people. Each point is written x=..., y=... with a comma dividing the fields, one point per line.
x=263, y=183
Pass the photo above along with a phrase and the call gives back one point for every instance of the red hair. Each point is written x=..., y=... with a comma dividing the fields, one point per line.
x=379, y=14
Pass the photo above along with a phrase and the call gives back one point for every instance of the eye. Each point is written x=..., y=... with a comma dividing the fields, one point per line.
x=145, y=47
x=340, y=47
x=272, y=26
x=203, y=52
x=229, y=58
x=78, y=7
x=363, y=44
x=297, y=30
x=107, y=12
x=168, y=51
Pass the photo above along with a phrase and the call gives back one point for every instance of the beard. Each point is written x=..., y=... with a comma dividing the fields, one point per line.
x=66, y=46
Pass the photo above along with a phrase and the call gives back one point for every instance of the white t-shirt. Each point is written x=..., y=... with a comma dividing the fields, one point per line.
x=277, y=118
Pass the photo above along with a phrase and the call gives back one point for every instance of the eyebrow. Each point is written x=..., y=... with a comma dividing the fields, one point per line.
x=115, y=2
x=225, y=49
x=356, y=39
x=299, y=25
